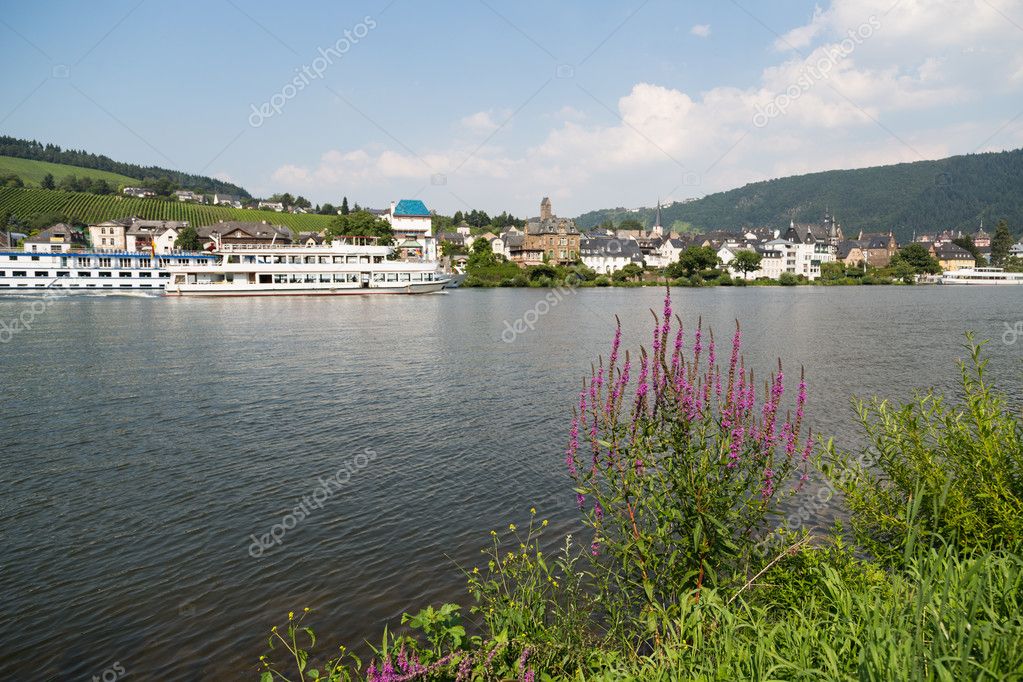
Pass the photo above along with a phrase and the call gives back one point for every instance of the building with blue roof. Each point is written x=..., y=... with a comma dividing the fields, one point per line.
x=413, y=228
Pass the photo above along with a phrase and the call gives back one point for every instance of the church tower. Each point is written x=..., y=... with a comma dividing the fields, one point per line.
x=545, y=209
x=657, y=230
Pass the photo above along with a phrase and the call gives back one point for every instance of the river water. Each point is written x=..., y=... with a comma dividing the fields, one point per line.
x=145, y=441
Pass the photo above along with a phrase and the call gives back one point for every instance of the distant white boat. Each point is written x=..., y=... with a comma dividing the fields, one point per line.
x=986, y=276
x=348, y=265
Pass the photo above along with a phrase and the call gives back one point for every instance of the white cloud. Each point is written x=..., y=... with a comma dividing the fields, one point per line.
x=701, y=30
x=480, y=122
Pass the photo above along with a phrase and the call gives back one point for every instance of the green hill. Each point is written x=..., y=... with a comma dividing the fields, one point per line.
x=25, y=203
x=37, y=151
x=32, y=172
x=925, y=196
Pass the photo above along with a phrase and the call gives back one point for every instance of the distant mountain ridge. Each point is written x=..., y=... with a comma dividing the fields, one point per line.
x=957, y=192
x=31, y=149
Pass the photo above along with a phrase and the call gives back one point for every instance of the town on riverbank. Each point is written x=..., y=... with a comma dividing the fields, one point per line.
x=548, y=250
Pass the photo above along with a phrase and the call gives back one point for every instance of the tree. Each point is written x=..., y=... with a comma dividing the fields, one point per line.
x=188, y=239
x=1001, y=242
x=327, y=209
x=917, y=257
x=630, y=224
x=692, y=260
x=344, y=206
x=361, y=224
x=482, y=254
x=302, y=202
x=832, y=271
x=11, y=180
x=47, y=181
x=746, y=262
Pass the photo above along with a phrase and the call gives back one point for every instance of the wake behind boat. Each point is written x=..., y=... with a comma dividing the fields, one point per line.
x=347, y=265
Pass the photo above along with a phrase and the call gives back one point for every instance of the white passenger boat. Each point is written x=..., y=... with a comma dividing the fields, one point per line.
x=348, y=265
x=981, y=276
x=86, y=271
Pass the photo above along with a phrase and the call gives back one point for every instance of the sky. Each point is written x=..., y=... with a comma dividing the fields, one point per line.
x=494, y=105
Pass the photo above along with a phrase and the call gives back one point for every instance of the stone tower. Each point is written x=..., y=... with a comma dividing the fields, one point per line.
x=657, y=230
x=545, y=209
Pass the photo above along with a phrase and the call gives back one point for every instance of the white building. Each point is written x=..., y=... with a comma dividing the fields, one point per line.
x=412, y=224
x=271, y=206
x=221, y=199
x=139, y=192
x=667, y=253
x=797, y=258
x=188, y=195
x=605, y=256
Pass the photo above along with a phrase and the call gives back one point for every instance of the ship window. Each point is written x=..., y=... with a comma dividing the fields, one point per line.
x=353, y=259
x=378, y=277
x=310, y=260
x=19, y=273
x=63, y=273
x=90, y=286
x=126, y=286
x=12, y=258
x=265, y=279
x=339, y=259
x=145, y=286
x=41, y=273
x=295, y=279
x=164, y=274
x=310, y=278
x=324, y=279
x=280, y=279
x=403, y=277
x=35, y=257
x=417, y=277
x=104, y=274
x=124, y=274
x=85, y=274
x=104, y=262
x=108, y=286
x=145, y=274
x=145, y=263
x=124, y=262
x=378, y=259
x=392, y=277
x=5, y=285
x=324, y=259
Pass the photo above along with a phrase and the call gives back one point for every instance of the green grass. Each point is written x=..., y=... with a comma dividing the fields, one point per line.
x=32, y=172
x=94, y=208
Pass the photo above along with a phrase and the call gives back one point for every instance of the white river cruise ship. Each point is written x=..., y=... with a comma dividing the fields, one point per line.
x=86, y=271
x=989, y=276
x=348, y=265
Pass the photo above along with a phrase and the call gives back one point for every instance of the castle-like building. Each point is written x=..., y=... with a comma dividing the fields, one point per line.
x=546, y=239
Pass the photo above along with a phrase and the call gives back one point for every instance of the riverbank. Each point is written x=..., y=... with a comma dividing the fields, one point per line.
x=681, y=569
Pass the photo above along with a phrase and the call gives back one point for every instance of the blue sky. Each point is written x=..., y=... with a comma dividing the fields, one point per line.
x=493, y=105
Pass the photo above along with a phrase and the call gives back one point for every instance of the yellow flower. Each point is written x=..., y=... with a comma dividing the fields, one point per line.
x=544, y=524
x=475, y=569
x=511, y=527
x=291, y=615
x=493, y=533
x=306, y=609
x=532, y=510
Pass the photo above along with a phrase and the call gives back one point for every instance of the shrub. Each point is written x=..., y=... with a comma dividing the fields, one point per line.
x=933, y=472
x=602, y=281
x=787, y=279
x=680, y=480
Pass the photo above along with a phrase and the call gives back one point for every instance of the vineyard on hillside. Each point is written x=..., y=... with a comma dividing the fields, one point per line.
x=94, y=208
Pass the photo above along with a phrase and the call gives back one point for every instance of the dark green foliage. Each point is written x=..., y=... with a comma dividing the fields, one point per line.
x=917, y=258
x=924, y=196
x=361, y=224
x=188, y=239
x=1001, y=242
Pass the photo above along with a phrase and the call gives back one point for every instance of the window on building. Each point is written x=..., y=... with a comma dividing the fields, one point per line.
x=42, y=273
x=105, y=274
x=105, y=262
x=124, y=274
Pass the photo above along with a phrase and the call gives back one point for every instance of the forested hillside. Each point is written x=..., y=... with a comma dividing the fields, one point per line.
x=925, y=196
